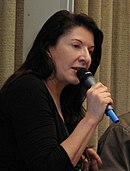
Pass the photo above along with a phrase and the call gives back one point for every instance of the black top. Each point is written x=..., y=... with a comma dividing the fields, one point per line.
x=31, y=129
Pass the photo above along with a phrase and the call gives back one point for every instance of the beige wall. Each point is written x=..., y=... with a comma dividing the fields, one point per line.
x=20, y=20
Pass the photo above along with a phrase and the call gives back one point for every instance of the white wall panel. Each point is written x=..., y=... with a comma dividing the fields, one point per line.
x=36, y=12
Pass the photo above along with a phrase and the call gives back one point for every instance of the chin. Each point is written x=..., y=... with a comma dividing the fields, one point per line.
x=75, y=82
x=72, y=80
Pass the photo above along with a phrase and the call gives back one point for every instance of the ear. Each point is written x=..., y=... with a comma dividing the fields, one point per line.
x=49, y=53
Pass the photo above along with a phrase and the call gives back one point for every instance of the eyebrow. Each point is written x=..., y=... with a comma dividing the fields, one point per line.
x=82, y=42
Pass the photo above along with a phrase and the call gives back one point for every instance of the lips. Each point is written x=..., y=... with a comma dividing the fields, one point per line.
x=77, y=68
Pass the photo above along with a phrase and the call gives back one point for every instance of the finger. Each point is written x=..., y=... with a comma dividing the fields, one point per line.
x=98, y=85
x=101, y=91
x=94, y=166
x=98, y=88
x=86, y=165
x=93, y=155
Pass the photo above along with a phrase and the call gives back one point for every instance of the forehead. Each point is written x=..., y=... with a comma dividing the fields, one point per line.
x=79, y=33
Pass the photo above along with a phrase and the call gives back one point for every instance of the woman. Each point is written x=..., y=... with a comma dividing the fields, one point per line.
x=43, y=123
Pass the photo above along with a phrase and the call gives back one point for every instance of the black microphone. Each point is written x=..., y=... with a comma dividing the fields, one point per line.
x=87, y=78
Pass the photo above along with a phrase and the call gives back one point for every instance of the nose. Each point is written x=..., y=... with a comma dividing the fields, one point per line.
x=85, y=57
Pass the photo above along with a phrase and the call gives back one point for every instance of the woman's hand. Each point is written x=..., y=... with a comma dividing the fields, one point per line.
x=98, y=98
x=91, y=160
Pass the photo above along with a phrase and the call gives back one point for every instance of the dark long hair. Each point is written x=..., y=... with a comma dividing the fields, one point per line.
x=39, y=62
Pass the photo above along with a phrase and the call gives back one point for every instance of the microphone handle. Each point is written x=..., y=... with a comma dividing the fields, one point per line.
x=110, y=112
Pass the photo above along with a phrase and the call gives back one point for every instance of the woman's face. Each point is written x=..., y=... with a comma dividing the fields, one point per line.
x=72, y=52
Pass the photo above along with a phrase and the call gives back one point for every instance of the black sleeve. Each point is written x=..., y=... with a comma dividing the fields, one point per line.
x=35, y=128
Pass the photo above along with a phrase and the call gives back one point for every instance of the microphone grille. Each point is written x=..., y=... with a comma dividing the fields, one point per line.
x=83, y=73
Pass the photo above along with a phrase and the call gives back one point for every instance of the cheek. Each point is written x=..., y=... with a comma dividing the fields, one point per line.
x=89, y=62
x=60, y=64
x=61, y=57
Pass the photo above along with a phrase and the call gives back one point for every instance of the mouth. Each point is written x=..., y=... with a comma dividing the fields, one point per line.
x=77, y=68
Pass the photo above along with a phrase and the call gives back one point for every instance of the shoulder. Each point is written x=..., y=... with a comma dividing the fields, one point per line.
x=123, y=124
x=27, y=82
x=124, y=120
x=114, y=145
x=27, y=86
x=116, y=132
x=27, y=79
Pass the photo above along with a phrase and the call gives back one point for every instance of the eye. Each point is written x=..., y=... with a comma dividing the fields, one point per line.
x=77, y=46
x=91, y=52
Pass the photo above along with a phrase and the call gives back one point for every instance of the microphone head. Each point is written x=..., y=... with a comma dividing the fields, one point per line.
x=85, y=77
x=83, y=73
